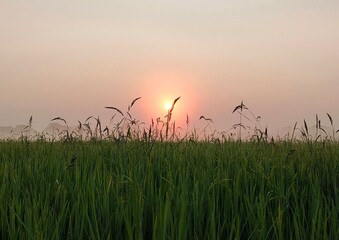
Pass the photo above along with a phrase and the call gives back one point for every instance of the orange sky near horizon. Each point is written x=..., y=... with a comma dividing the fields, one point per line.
x=73, y=58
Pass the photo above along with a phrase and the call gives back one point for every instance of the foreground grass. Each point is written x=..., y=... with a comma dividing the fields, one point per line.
x=187, y=190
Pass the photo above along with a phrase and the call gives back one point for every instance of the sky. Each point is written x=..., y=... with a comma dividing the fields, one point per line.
x=73, y=58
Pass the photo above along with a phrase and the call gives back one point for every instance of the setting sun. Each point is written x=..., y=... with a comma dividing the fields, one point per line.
x=168, y=105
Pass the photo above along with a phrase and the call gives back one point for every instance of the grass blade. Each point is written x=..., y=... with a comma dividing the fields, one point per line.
x=331, y=120
x=59, y=118
x=306, y=128
x=116, y=109
x=130, y=106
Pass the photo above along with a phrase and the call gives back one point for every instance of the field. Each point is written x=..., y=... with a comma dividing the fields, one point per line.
x=129, y=182
x=169, y=190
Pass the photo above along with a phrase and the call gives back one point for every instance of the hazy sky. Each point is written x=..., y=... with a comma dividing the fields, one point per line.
x=73, y=58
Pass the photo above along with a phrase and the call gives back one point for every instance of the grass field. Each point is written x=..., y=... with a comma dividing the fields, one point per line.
x=169, y=190
x=132, y=182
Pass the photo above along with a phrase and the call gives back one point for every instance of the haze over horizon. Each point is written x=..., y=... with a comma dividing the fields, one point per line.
x=73, y=58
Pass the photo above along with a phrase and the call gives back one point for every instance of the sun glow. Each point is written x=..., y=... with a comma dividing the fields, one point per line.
x=158, y=96
x=168, y=105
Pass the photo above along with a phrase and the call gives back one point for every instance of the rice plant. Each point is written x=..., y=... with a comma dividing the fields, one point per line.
x=130, y=180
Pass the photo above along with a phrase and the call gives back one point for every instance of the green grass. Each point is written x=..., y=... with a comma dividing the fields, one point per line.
x=181, y=190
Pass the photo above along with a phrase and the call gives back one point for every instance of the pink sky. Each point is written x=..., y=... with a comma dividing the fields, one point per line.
x=73, y=58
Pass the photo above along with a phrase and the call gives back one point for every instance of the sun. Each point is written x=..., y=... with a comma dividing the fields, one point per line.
x=168, y=105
